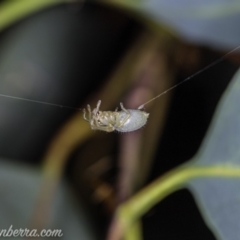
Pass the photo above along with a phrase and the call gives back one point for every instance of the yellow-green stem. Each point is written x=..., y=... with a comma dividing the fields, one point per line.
x=134, y=232
x=129, y=212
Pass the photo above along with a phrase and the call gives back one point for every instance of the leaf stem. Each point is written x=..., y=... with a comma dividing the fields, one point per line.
x=130, y=211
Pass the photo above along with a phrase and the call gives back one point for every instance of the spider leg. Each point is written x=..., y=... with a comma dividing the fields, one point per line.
x=98, y=105
x=95, y=110
x=123, y=108
x=127, y=116
x=89, y=112
x=84, y=115
x=109, y=128
x=94, y=120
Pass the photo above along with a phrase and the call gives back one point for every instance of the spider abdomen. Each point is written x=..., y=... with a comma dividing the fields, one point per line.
x=136, y=120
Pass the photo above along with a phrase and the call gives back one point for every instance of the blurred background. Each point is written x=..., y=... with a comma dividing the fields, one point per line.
x=55, y=172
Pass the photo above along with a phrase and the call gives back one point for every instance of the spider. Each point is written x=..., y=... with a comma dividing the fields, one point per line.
x=126, y=120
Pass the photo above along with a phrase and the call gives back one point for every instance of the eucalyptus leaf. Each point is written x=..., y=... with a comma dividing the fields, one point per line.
x=219, y=197
x=214, y=23
x=19, y=191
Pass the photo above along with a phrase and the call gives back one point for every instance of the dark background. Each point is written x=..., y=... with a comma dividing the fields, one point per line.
x=61, y=57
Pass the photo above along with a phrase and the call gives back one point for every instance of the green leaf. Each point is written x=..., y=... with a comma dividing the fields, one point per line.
x=19, y=192
x=219, y=198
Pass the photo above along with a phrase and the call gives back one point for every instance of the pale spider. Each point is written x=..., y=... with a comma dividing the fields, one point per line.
x=126, y=120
